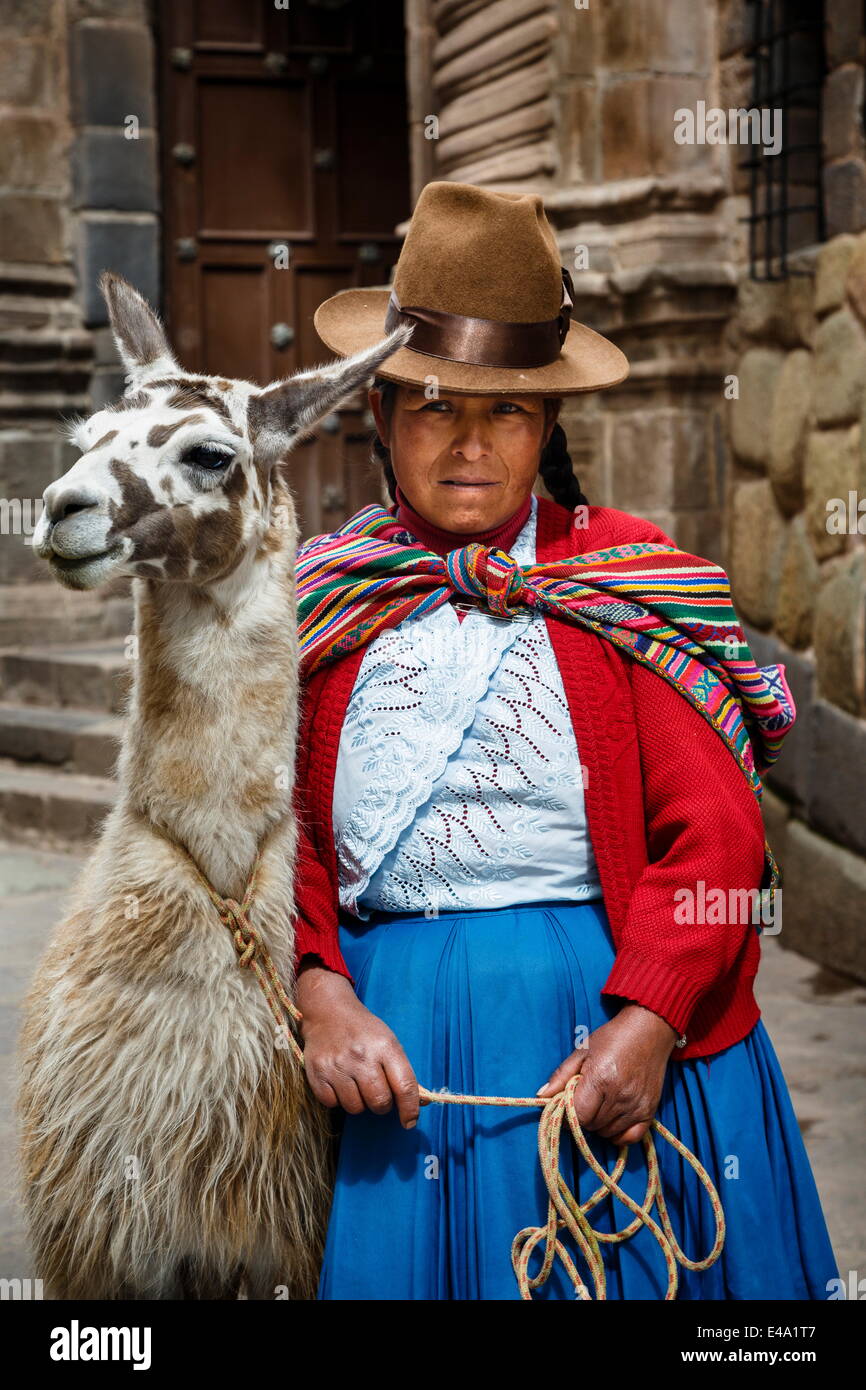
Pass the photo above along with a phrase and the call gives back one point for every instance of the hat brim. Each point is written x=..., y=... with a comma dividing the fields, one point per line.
x=353, y=320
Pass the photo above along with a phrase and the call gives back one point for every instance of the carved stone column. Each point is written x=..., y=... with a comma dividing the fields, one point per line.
x=578, y=105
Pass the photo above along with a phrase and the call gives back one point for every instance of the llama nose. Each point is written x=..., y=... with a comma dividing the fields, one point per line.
x=61, y=501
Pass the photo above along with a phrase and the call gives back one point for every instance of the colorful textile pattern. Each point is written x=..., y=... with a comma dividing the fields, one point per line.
x=666, y=608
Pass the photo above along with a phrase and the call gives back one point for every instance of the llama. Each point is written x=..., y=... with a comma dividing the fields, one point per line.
x=170, y=1145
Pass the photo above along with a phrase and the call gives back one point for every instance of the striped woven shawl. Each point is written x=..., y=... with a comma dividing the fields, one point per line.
x=666, y=608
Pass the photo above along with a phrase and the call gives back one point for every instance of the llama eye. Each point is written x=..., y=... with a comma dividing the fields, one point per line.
x=210, y=456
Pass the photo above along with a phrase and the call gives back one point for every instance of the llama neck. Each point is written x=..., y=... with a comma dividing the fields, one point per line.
x=209, y=752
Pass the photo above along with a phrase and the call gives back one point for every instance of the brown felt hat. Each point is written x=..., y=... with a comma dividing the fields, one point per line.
x=480, y=279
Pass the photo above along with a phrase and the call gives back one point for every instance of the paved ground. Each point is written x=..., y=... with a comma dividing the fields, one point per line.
x=817, y=1023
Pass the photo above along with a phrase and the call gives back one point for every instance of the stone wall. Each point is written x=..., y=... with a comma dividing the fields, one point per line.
x=487, y=73
x=797, y=558
x=842, y=123
x=795, y=512
x=647, y=218
x=45, y=353
x=114, y=165
x=578, y=105
x=75, y=194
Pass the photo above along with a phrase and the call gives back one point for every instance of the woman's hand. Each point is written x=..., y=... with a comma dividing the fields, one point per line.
x=351, y=1057
x=622, y=1071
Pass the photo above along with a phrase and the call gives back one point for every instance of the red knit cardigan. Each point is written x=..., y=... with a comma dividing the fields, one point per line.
x=666, y=805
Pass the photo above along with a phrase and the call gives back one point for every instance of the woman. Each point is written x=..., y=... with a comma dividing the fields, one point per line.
x=499, y=813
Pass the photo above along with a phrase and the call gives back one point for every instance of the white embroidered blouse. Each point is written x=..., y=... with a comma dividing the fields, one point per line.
x=458, y=781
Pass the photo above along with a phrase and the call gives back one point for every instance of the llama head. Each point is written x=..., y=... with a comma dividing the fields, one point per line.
x=175, y=480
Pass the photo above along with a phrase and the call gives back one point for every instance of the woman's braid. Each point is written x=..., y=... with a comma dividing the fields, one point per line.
x=557, y=472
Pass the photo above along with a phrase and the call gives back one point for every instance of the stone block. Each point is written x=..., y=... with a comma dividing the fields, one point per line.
x=845, y=196
x=694, y=476
x=581, y=151
x=680, y=37
x=625, y=119
x=625, y=26
x=757, y=538
x=18, y=563
x=56, y=805
x=106, y=388
x=736, y=77
x=60, y=616
x=855, y=279
x=798, y=586
x=661, y=459
x=31, y=154
x=788, y=425
x=667, y=96
x=842, y=113
x=91, y=677
x=750, y=415
x=840, y=635
x=112, y=74
x=843, y=33
x=641, y=461
x=840, y=369
x=799, y=324
x=733, y=27
x=109, y=171
x=25, y=73
x=105, y=349
x=790, y=774
x=824, y=901
x=31, y=229
x=29, y=462
x=579, y=41
x=735, y=83
x=127, y=245
x=831, y=467
x=836, y=794
x=834, y=259
x=700, y=533
x=776, y=814
x=761, y=307
x=25, y=17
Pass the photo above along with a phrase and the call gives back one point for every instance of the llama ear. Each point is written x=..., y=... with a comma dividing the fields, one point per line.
x=138, y=333
x=284, y=411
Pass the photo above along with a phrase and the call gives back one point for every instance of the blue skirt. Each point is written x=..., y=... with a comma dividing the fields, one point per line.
x=487, y=1003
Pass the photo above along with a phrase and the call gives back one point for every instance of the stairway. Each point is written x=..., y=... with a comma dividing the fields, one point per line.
x=60, y=726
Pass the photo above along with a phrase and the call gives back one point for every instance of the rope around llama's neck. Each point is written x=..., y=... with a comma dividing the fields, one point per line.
x=563, y=1208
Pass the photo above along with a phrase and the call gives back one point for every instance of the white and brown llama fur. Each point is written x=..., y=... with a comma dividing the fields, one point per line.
x=170, y=1144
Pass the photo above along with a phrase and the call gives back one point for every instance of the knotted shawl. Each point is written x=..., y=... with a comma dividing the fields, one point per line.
x=667, y=609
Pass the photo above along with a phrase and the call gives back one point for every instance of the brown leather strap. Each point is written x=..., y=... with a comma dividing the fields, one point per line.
x=484, y=342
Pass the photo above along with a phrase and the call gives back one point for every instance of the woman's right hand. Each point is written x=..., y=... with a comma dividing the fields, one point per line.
x=351, y=1057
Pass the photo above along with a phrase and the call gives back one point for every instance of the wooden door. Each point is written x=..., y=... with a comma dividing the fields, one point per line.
x=285, y=171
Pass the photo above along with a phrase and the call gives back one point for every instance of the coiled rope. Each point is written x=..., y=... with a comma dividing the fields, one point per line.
x=563, y=1209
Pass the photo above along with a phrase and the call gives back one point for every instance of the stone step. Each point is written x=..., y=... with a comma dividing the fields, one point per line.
x=50, y=807
x=84, y=740
x=84, y=675
x=47, y=613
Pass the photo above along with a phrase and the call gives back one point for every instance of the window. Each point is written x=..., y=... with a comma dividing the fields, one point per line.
x=788, y=66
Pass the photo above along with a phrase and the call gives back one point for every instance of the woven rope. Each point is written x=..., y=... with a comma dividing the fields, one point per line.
x=563, y=1209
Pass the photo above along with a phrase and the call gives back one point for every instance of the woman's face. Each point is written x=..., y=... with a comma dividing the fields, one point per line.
x=465, y=463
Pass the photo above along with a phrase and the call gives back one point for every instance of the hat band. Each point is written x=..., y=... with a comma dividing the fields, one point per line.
x=484, y=342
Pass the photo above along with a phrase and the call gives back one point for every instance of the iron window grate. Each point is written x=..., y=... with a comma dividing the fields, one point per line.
x=786, y=207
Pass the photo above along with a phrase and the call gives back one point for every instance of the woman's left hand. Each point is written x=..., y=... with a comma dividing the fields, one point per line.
x=622, y=1070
